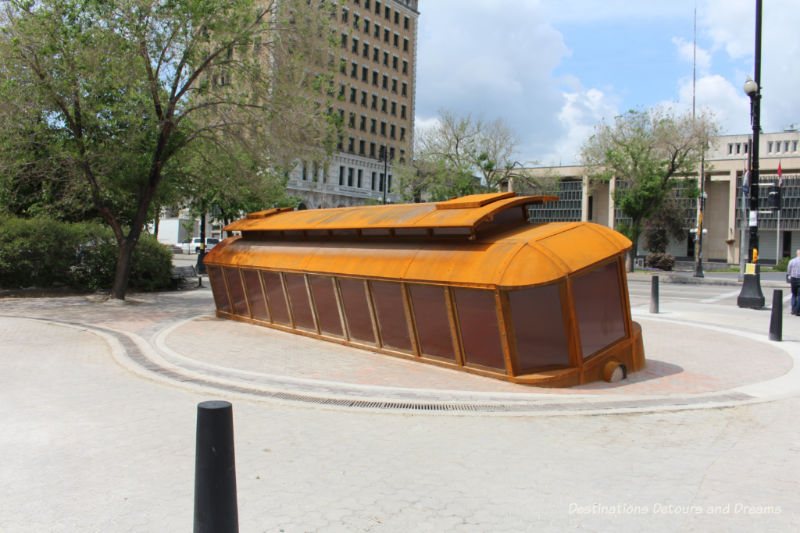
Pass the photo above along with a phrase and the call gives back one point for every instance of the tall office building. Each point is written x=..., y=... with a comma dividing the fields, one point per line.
x=375, y=84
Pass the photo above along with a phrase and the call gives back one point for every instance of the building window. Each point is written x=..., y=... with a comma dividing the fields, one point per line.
x=394, y=86
x=360, y=171
x=344, y=41
x=377, y=32
x=377, y=8
x=364, y=98
x=387, y=13
x=405, y=23
x=385, y=83
x=354, y=70
x=341, y=175
x=372, y=183
x=385, y=35
x=355, y=45
x=375, y=78
x=391, y=131
x=394, y=108
x=344, y=15
x=353, y=94
x=769, y=146
x=366, y=26
x=372, y=125
x=350, y=176
x=386, y=59
x=360, y=152
x=383, y=129
x=366, y=4
x=396, y=17
x=404, y=92
x=396, y=40
x=364, y=74
x=402, y=134
x=341, y=91
x=351, y=146
x=374, y=104
x=730, y=148
x=352, y=121
x=403, y=111
x=355, y=21
x=383, y=104
x=376, y=54
x=405, y=45
x=363, y=123
x=372, y=154
x=365, y=52
x=394, y=62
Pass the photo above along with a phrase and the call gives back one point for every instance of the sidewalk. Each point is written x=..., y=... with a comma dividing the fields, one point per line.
x=694, y=361
x=98, y=403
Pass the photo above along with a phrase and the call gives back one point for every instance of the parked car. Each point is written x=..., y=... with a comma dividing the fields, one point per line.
x=193, y=246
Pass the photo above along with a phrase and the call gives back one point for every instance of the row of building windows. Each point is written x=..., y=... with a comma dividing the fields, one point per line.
x=777, y=147
x=388, y=14
x=356, y=177
x=364, y=49
x=362, y=149
x=366, y=123
x=378, y=79
x=773, y=147
x=371, y=101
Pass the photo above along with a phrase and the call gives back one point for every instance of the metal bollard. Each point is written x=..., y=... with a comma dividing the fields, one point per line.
x=215, y=507
x=654, y=294
x=776, y=318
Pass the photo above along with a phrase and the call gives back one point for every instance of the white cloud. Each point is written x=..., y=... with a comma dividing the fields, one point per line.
x=731, y=24
x=689, y=53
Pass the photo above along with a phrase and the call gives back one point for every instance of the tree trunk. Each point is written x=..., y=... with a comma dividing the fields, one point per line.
x=123, y=269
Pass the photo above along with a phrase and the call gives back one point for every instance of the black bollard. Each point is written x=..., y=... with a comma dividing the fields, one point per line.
x=215, y=507
x=776, y=319
x=654, y=294
x=201, y=265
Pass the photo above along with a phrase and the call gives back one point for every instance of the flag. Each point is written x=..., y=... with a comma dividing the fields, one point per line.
x=746, y=183
x=780, y=175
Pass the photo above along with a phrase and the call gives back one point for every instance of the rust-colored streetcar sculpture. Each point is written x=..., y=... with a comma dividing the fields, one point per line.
x=467, y=284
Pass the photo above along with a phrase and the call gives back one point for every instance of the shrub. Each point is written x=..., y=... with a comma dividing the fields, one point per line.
x=42, y=253
x=782, y=265
x=663, y=261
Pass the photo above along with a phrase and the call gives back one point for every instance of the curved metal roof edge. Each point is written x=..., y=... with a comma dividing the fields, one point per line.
x=489, y=206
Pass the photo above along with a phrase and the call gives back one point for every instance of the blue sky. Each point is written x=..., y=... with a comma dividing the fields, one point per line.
x=554, y=69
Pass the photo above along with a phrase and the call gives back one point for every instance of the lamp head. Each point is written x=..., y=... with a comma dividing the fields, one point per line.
x=750, y=87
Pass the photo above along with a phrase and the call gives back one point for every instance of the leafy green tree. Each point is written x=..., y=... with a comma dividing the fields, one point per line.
x=648, y=152
x=123, y=93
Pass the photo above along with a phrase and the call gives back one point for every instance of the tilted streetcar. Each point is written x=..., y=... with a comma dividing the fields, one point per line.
x=467, y=284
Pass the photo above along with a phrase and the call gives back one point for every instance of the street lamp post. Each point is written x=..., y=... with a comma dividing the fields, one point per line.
x=751, y=295
x=384, y=155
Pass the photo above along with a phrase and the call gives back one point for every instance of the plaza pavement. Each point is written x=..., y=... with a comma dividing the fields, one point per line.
x=98, y=402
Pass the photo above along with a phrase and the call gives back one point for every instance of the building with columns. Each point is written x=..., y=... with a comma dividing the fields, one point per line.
x=376, y=87
x=779, y=231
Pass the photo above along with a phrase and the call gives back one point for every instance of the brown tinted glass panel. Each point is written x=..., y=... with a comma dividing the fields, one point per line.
x=237, y=291
x=218, y=289
x=255, y=295
x=298, y=299
x=598, y=304
x=431, y=317
x=356, y=310
x=388, y=298
x=480, y=334
x=327, y=307
x=277, y=301
x=538, y=328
